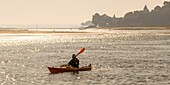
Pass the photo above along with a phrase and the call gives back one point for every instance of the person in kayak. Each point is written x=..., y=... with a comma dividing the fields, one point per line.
x=74, y=62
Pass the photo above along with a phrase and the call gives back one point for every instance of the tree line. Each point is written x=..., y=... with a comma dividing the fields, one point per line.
x=159, y=16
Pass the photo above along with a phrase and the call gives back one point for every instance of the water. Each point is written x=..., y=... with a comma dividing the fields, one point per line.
x=117, y=57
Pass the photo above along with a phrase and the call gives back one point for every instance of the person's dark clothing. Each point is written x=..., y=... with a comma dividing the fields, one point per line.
x=74, y=62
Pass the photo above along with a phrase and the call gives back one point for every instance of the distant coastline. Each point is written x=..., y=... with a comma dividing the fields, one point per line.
x=39, y=31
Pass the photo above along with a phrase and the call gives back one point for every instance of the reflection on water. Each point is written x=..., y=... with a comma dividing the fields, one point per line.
x=117, y=57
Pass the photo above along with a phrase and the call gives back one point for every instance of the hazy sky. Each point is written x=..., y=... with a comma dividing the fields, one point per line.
x=66, y=11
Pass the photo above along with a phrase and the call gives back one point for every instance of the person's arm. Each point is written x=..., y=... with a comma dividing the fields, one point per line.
x=70, y=62
x=78, y=62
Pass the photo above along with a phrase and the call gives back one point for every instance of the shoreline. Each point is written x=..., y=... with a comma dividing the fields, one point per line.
x=134, y=28
x=74, y=31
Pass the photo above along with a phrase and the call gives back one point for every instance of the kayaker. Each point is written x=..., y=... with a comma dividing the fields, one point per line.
x=74, y=62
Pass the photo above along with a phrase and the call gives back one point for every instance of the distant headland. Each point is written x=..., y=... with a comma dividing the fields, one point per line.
x=158, y=17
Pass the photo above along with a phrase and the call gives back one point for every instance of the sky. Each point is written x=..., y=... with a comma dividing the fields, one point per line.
x=24, y=12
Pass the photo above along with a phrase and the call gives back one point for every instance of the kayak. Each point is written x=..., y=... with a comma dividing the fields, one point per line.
x=54, y=70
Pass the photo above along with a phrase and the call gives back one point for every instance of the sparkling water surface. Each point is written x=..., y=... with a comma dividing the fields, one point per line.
x=118, y=57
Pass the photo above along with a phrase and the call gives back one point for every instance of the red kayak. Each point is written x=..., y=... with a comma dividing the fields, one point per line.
x=68, y=69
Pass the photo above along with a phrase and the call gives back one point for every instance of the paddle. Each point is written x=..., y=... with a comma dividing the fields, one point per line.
x=81, y=51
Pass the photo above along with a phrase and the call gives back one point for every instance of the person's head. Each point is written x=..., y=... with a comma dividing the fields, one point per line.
x=74, y=56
